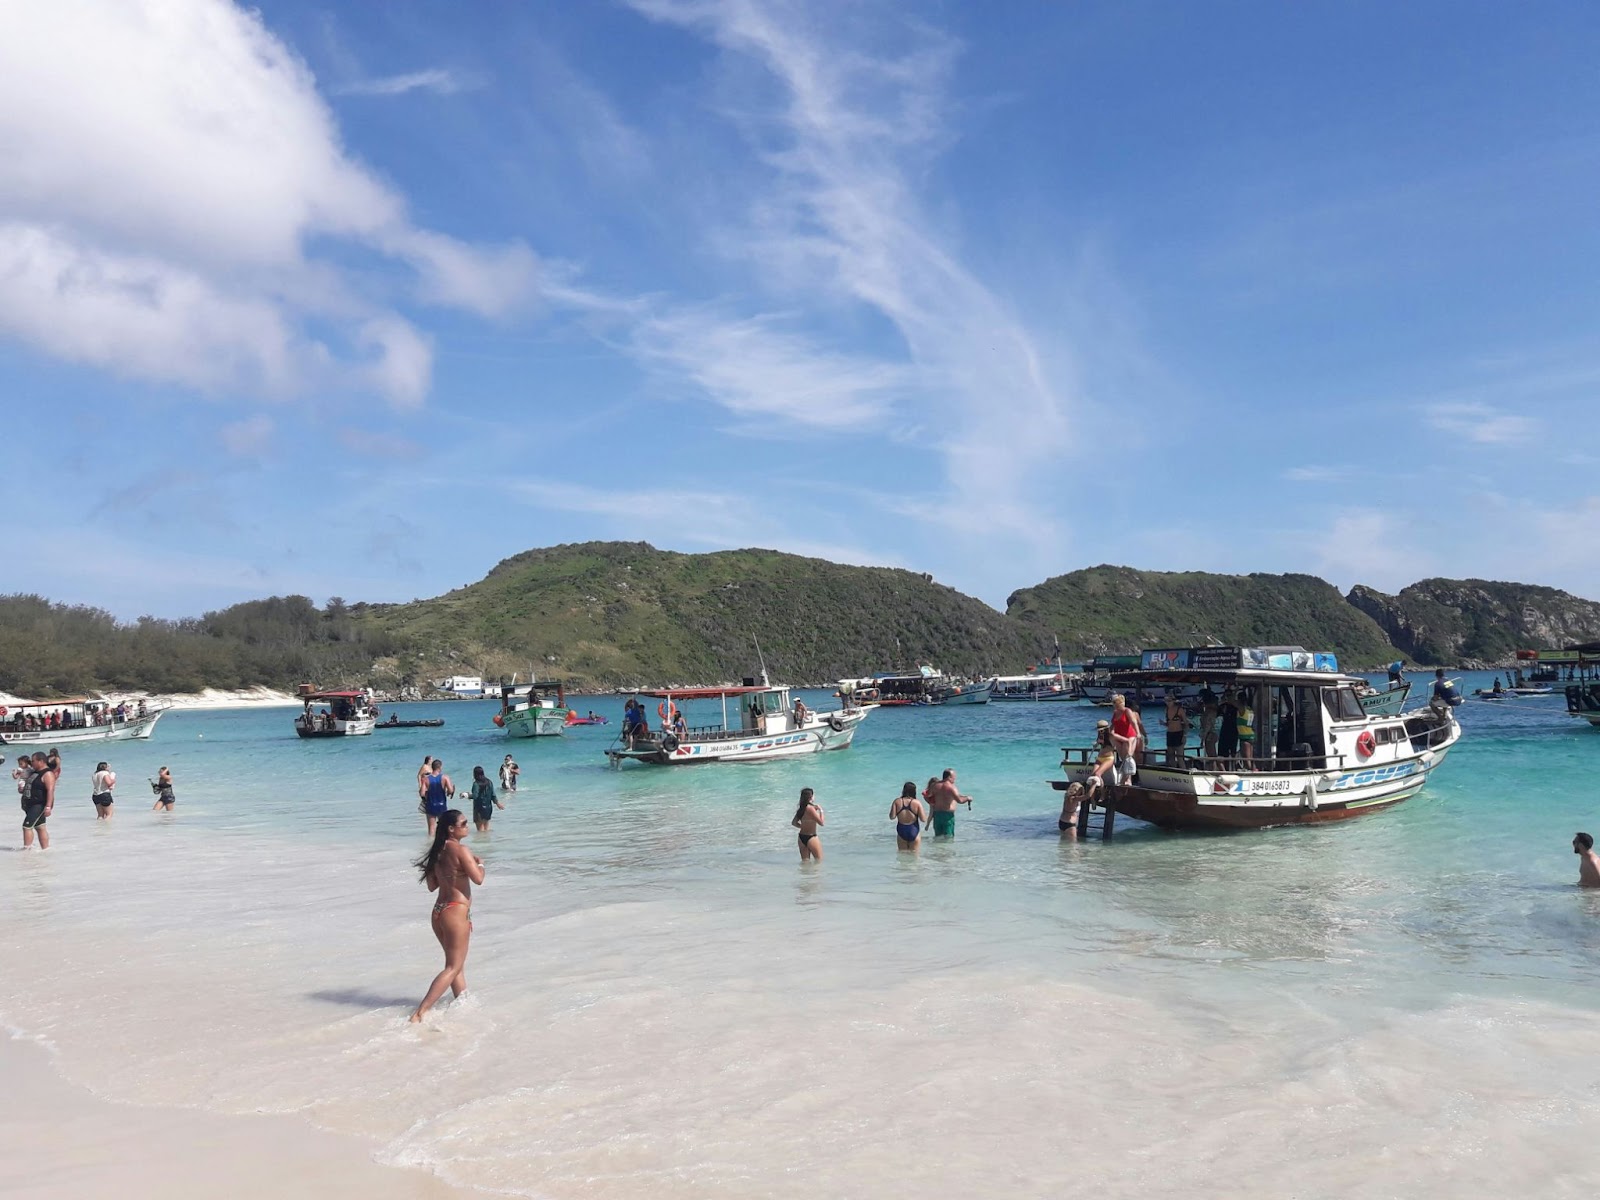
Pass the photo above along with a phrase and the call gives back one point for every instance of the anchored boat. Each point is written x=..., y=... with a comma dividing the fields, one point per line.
x=343, y=713
x=757, y=722
x=1582, y=665
x=534, y=710
x=1319, y=756
x=78, y=720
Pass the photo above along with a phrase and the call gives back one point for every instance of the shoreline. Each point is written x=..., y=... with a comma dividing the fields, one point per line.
x=79, y=1144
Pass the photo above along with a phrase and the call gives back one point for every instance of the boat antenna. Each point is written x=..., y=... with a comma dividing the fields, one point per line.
x=765, y=682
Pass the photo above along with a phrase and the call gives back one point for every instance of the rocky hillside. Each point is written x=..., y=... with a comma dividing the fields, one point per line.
x=1477, y=620
x=622, y=613
x=1119, y=609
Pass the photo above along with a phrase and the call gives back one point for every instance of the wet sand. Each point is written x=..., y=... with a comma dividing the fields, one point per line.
x=65, y=1141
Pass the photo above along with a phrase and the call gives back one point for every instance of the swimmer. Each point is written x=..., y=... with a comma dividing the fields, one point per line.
x=100, y=791
x=1067, y=823
x=808, y=819
x=484, y=801
x=162, y=784
x=1588, y=860
x=450, y=869
x=437, y=792
x=909, y=815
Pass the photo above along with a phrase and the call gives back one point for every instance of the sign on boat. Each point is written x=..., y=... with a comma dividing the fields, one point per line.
x=1318, y=755
x=758, y=721
x=78, y=720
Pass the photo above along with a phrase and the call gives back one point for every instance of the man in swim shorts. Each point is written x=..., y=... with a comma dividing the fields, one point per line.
x=942, y=800
x=38, y=802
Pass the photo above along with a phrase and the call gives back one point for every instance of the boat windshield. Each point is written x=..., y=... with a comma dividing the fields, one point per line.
x=1342, y=704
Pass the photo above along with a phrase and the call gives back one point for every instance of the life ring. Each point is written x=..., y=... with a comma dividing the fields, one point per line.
x=1366, y=744
x=667, y=711
x=836, y=723
x=3, y=710
x=669, y=742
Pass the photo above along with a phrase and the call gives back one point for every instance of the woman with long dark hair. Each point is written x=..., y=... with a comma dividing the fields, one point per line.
x=909, y=815
x=808, y=819
x=450, y=869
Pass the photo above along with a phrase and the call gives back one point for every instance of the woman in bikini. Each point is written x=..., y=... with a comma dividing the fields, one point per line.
x=909, y=816
x=450, y=869
x=808, y=819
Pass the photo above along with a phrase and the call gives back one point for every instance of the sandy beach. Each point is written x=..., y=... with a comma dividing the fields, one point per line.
x=72, y=1143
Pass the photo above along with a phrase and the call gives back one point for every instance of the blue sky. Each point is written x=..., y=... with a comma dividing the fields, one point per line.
x=358, y=300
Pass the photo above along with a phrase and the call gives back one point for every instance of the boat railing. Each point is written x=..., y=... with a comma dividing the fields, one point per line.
x=1079, y=756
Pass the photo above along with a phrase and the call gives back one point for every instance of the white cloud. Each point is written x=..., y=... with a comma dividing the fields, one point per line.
x=1316, y=474
x=1372, y=547
x=839, y=218
x=247, y=438
x=434, y=79
x=1480, y=423
x=167, y=166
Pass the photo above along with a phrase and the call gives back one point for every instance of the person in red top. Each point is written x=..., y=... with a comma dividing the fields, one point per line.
x=1125, y=734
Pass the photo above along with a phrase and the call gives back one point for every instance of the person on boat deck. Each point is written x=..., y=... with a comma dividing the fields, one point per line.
x=1228, y=724
x=1105, y=757
x=1208, y=721
x=1245, y=722
x=680, y=724
x=758, y=716
x=1588, y=860
x=1497, y=689
x=1125, y=734
x=801, y=712
x=1177, y=728
x=632, y=719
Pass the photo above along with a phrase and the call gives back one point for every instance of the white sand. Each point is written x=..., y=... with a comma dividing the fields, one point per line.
x=64, y=1141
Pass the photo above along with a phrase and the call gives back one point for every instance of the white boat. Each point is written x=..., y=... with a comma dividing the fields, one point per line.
x=341, y=713
x=533, y=710
x=967, y=692
x=1319, y=755
x=1036, y=687
x=1387, y=702
x=755, y=722
x=78, y=720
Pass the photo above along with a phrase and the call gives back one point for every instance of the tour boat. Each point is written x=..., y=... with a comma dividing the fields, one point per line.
x=1583, y=682
x=78, y=720
x=533, y=710
x=343, y=713
x=1319, y=756
x=1047, y=681
x=926, y=685
x=762, y=724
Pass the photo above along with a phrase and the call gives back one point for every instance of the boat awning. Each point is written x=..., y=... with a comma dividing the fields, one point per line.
x=58, y=703
x=702, y=693
x=334, y=696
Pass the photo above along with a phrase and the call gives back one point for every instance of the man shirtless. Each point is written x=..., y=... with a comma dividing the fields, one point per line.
x=1588, y=860
x=942, y=799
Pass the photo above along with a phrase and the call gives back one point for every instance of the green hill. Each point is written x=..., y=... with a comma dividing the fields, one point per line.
x=1459, y=620
x=618, y=613
x=1109, y=609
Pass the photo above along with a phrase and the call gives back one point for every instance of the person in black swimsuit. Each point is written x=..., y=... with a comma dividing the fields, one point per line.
x=808, y=819
x=38, y=802
x=909, y=815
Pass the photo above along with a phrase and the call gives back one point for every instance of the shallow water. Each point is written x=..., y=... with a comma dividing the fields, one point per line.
x=664, y=1002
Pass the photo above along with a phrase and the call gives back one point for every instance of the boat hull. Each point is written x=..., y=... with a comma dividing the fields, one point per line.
x=359, y=727
x=972, y=695
x=121, y=731
x=1386, y=703
x=535, y=722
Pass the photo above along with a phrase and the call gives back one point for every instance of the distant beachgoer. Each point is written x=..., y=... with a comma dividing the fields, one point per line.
x=105, y=779
x=909, y=816
x=1208, y=721
x=1177, y=729
x=1588, y=861
x=38, y=802
x=1228, y=724
x=437, y=792
x=450, y=869
x=808, y=819
x=162, y=784
x=484, y=801
x=943, y=796
x=1067, y=822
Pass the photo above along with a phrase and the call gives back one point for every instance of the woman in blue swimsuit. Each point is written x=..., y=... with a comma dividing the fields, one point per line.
x=909, y=815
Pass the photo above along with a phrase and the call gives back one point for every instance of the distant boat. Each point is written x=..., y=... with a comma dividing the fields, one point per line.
x=924, y=686
x=344, y=713
x=762, y=724
x=395, y=723
x=78, y=720
x=1388, y=702
x=533, y=710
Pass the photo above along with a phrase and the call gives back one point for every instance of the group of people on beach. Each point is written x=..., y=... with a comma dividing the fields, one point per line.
x=935, y=809
x=37, y=777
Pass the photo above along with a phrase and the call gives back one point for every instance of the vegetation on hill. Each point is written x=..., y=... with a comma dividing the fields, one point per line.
x=1461, y=620
x=626, y=613
x=1109, y=609
x=57, y=649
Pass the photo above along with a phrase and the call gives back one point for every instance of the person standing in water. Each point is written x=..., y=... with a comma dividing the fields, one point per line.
x=484, y=801
x=1067, y=822
x=942, y=800
x=808, y=819
x=437, y=792
x=449, y=869
x=1588, y=860
x=38, y=802
x=165, y=797
x=909, y=815
x=100, y=791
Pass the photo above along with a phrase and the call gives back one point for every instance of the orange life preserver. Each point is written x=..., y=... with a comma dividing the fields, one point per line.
x=663, y=709
x=1366, y=744
x=500, y=720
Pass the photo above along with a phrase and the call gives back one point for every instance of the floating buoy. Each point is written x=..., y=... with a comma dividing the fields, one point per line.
x=499, y=720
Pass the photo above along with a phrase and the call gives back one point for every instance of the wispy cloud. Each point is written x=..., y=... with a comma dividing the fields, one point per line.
x=1363, y=545
x=248, y=438
x=438, y=80
x=1317, y=474
x=1481, y=423
x=373, y=444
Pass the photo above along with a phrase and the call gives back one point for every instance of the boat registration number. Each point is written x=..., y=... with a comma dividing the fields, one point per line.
x=1254, y=787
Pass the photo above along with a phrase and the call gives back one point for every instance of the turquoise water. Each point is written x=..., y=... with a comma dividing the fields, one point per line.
x=664, y=1001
